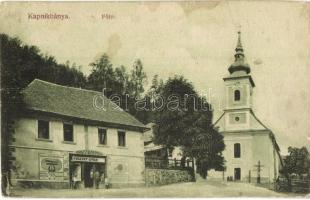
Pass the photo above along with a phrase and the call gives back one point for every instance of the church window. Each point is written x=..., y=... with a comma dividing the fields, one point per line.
x=237, y=119
x=237, y=150
x=237, y=95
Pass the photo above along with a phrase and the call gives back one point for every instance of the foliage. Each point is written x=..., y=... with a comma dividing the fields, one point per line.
x=297, y=162
x=21, y=64
x=137, y=79
x=185, y=120
x=102, y=75
x=128, y=86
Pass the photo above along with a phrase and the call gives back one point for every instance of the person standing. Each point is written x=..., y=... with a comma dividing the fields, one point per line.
x=92, y=176
x=6, y=183
x=106, y=183
x=74, y=179
x=97, y=179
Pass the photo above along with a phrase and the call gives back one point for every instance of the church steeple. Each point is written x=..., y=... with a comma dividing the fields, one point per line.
x=239, y=48
x=239, y=65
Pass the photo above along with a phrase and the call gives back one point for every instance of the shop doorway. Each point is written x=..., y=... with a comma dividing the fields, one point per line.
x=90, y=170
x=87, y=171
x=88, y=175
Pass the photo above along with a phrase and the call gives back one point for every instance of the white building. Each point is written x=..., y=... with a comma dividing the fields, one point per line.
x=251, y=150
x=61, y=134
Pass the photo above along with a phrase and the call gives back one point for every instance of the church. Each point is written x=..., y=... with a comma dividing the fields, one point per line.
x=251, y=152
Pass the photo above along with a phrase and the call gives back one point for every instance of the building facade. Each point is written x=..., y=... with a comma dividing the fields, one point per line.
x=69, y=134
x=251, y=153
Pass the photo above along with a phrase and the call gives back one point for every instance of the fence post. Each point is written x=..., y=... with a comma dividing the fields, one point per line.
x=154, y=180
x=249, y=176
x=194, y=168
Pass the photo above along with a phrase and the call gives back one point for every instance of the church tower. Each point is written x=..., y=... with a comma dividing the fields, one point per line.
x=238, y=91
x=251, y=152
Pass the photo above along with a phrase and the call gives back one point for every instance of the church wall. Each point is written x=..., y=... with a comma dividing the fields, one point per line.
x=245, y=160
x=237, y=120
x=254, y=147
x=263, y=149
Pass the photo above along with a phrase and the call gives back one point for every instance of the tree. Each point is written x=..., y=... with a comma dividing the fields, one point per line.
x=185, y=120
x=20, y=65
x=122, y=79
x=102, y=75
x=137, y=79
x=297, y=162
x=151, y=98
x=116, y=81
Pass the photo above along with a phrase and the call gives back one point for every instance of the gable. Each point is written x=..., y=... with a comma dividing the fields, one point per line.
x=253, y=124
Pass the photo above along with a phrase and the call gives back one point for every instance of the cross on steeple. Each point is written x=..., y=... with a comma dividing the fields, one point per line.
x=239, y=45
x=239, y=56
x=239, y=64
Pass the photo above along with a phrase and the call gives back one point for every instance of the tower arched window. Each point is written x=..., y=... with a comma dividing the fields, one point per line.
x=237, y=95
x=237, y=150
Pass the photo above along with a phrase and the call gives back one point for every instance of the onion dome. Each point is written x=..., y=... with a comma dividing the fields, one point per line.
x=239, y=64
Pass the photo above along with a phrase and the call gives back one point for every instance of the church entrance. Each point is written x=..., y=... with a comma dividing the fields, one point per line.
x=237, y=174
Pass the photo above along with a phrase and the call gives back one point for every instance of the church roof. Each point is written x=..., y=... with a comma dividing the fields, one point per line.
x=239, y=75
x=75, y=102
x=255, y=126
x=239, y=64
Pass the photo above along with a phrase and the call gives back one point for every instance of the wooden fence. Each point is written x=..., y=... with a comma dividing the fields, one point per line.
x=293, y=185
x=155, y=163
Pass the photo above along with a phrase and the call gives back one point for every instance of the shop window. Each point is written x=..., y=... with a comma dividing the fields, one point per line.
x=237, y=150
x=102, y=136
x=237, y=95
x=43, y=129
x=68, y=132
x=121, y=138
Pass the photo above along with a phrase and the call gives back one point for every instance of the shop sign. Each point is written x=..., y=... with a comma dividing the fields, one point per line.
x=51, y=167
x=76, y=158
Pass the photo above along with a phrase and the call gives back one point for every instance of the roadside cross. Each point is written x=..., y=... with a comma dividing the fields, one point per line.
x=259, y=169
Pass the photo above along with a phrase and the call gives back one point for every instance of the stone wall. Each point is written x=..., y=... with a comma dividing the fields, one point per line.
x=167, y=176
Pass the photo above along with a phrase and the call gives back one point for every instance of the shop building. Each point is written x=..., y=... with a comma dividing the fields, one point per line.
x=69, y=135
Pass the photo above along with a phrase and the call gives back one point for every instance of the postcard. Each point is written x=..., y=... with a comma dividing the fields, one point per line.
x=155, y=99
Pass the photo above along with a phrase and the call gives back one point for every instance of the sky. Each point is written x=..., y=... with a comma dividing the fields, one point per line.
x=194, y=39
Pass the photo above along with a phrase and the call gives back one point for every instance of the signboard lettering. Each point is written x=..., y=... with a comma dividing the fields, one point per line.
x=87, y=159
